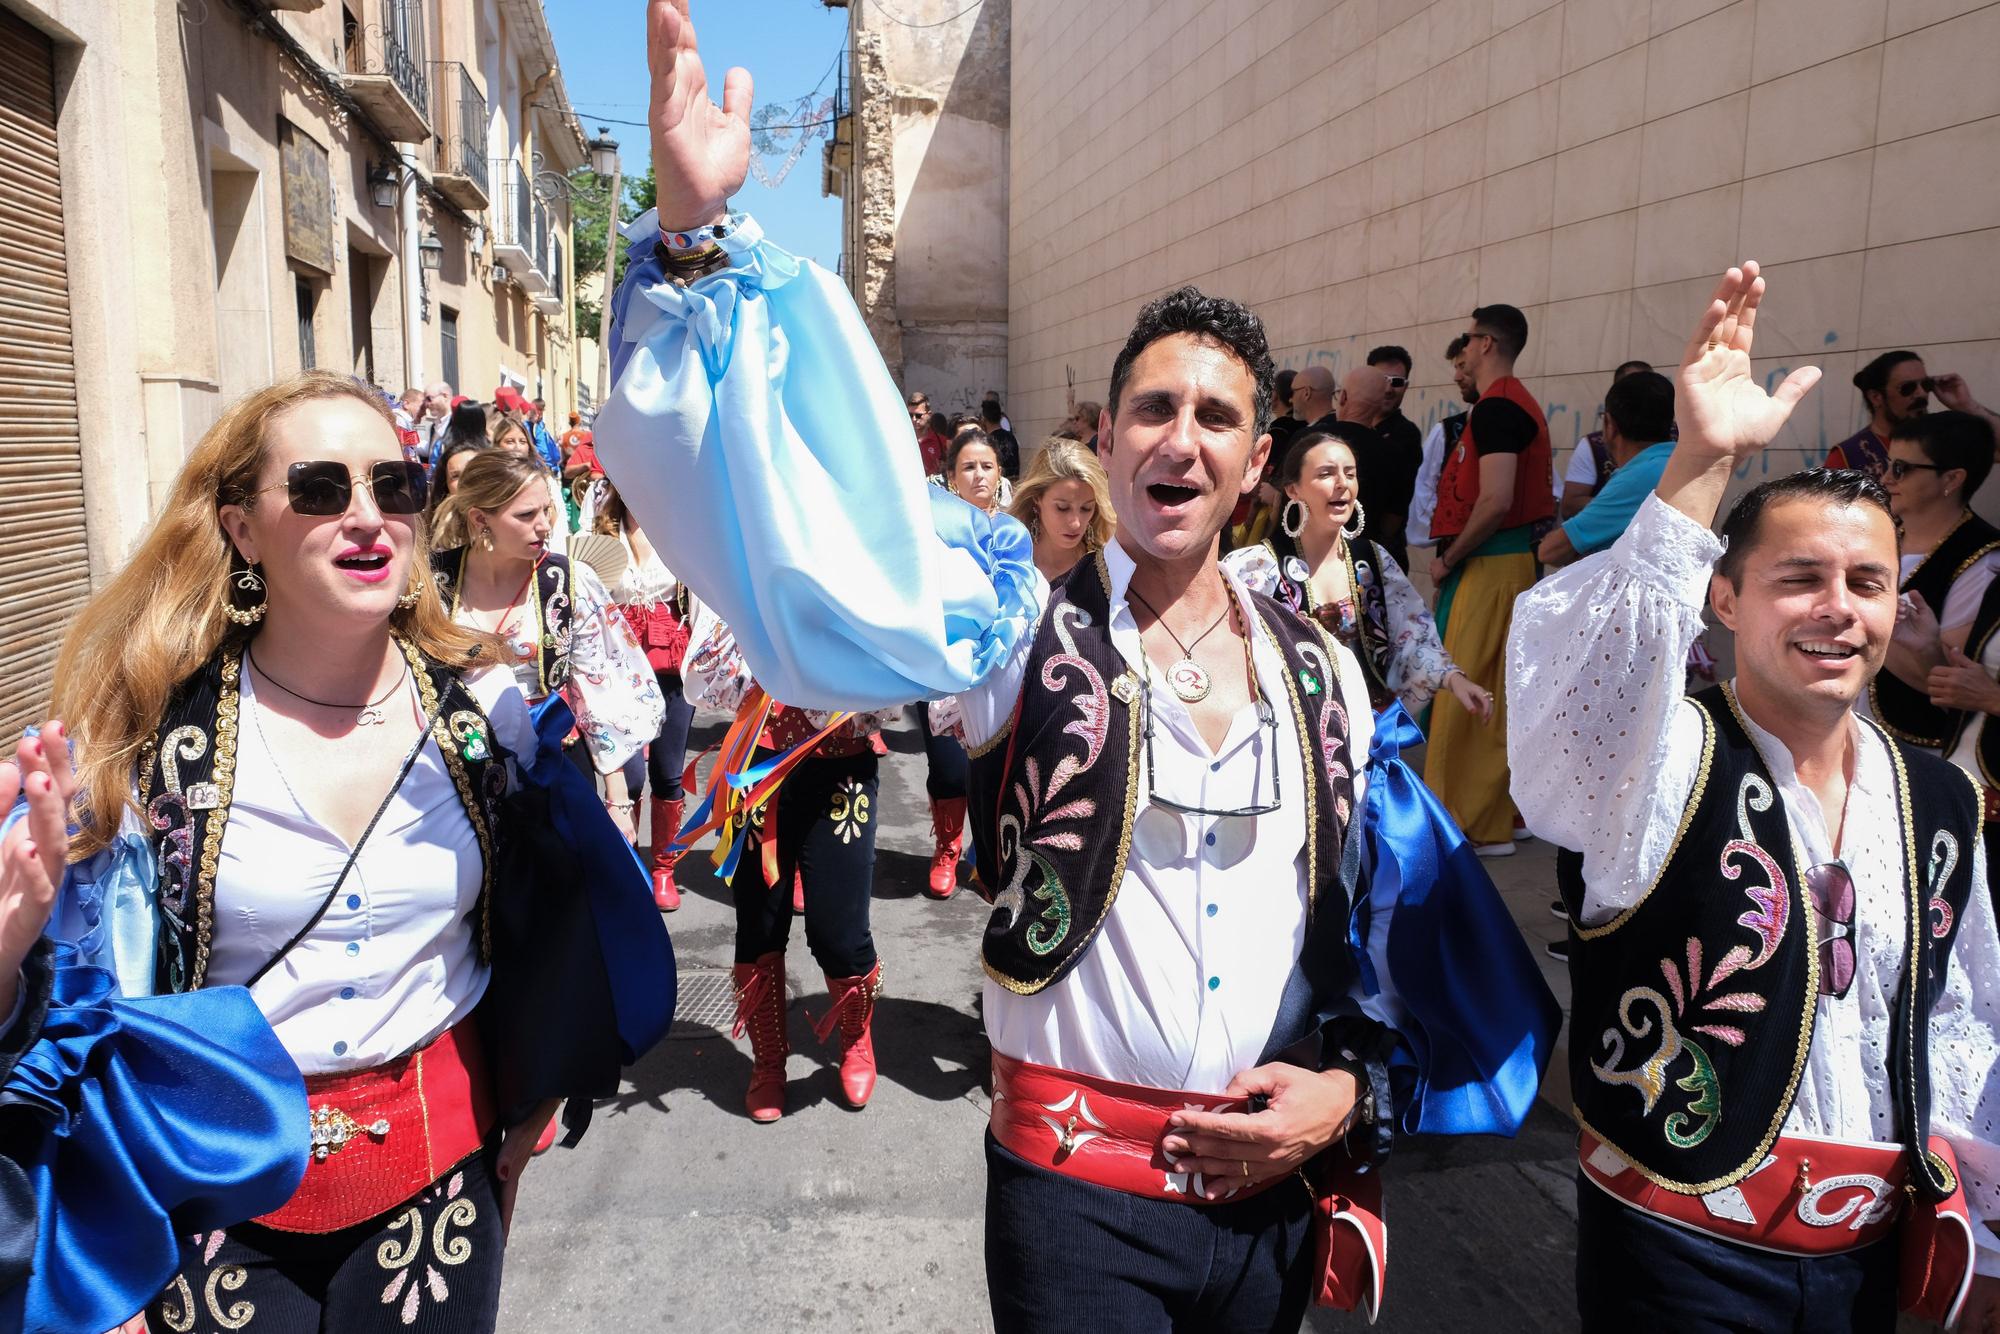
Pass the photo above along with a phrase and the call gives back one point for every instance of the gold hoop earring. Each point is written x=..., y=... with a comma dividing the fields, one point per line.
x=248, y=585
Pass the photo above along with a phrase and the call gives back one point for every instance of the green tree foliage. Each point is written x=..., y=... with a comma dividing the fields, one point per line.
x=591, y=211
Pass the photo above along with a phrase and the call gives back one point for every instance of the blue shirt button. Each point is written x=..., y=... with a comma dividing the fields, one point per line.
x=1210, y=840
x=354, y=900
x=353, y=948
x=1214, y=982
x=340, y=1048
x=1215, y=767
x=1211, y=910
x=347, y=993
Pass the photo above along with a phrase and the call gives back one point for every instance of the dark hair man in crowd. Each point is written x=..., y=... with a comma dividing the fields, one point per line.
x=1591, y=462
x=1783, y=1058
x=1398, y=430
x=1895, y=387
x=1439, y=442
x=1385, y=474
x=1004, y=443
x=1492, y=491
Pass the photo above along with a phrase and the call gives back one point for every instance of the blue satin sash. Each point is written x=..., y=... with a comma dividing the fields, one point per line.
x=1478, y=1023
x=638, y=954
x=158, y=1116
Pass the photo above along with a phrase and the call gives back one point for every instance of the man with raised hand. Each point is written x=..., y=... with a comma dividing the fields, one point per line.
x=1783, y=958
x=1190, y=1061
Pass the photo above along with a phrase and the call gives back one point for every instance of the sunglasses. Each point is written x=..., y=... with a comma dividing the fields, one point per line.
x=1831, y=887
x=321, y=488
x=1266, y=717
x=1928, y=384
x=1897, y=469
x=1398, y=381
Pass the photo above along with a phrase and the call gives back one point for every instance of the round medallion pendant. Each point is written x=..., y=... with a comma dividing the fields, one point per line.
x=1188, y=681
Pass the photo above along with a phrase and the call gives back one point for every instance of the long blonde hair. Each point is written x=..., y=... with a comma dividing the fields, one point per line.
x=160, y=619
x=489, y=482
x=1064, y=460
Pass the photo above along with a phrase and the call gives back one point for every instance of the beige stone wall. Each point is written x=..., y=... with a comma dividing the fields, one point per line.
x=1366, y=172
x=925, y=221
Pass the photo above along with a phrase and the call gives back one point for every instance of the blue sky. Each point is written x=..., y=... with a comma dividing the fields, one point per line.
x=787, y=45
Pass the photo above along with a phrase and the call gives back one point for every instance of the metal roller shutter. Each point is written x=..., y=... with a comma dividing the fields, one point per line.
x=43, y=550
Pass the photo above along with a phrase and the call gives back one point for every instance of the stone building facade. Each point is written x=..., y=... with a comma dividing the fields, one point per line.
x=921, y=165
x=1367, y=171
x=216, y=193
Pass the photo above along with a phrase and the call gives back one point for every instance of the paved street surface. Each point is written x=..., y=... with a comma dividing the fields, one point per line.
x=677, y=1212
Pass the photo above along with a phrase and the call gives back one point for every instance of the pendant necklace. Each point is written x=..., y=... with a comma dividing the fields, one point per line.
x=1187, y=678
x=370, y=713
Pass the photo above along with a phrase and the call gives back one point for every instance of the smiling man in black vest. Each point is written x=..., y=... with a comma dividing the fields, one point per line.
x=1783, y=958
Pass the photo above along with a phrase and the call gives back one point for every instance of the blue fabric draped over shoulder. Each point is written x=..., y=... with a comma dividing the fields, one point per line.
x=1476, y=1021
x=131, y=1122
x=757, y=436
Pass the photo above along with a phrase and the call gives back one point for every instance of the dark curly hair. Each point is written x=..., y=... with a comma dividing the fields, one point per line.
x=1833, y=486
x=1230, y=324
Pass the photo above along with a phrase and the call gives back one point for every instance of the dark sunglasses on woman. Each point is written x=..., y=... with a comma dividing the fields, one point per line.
x=320, y=488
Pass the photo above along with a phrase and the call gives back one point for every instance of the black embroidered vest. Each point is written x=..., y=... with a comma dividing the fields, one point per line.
x=1903, y=709
x=550, y=607
x=1984, y=625
x=1366, y=631
x=1054, y=794
x=1694, y=1008
x=187, y=780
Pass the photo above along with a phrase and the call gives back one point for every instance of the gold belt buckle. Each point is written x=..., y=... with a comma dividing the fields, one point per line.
x=333, y=1129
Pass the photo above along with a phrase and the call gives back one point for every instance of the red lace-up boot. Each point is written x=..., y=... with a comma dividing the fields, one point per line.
x=760, y=1008
x=666, y=821
x=948, y=829
x=853, y=1013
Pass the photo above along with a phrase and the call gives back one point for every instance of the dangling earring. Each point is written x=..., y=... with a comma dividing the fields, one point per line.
x=416, y=593
x=1035, y=525
x=486, y=539
x=247, y=586
x=1358, y=522
x=1294, y=518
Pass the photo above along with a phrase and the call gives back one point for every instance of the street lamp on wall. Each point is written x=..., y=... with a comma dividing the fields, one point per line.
x=430, y=254
x=382, y=183
x=604, y=154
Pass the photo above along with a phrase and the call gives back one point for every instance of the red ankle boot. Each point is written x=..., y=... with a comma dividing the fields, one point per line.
x=853, y=1012
x=760, y=1008
x=948, y=830
x=666, y=822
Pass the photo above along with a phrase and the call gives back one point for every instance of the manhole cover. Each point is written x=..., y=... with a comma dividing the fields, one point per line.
x=704, y=1005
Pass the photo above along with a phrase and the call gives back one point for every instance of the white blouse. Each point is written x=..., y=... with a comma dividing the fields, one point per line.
x=1604, y=757
x=645, y=583
x=394, y=963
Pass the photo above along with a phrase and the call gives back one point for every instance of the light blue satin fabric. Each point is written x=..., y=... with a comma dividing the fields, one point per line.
x=142, y=1120
x=758, y=438
x=1477, y=1021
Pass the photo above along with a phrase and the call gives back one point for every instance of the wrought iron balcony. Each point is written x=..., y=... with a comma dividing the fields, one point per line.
x=386, y=72
x=520, y=226
x=458, y=138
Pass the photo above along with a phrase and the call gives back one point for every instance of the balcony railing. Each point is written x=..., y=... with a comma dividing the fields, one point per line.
x=520, y=228
x=458, y=125
x=386, y=70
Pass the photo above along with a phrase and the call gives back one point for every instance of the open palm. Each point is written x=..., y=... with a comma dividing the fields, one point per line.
x=1722, y=408
x=701, y=151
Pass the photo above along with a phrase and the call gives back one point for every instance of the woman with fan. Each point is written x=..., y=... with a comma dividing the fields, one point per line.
x=1351, y=586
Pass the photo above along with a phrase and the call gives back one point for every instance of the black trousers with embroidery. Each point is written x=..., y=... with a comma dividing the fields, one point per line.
x=825, y=836
x=430, y=1265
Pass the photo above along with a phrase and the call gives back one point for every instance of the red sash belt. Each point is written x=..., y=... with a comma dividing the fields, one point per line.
x=1813, y=1197
x=1108, y=1134
x=380, y=1136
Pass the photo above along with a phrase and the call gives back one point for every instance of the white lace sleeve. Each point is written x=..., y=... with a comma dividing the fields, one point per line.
x=1418, y=663
x=1965, y=1055
x=612, y=689
x=1600, y=743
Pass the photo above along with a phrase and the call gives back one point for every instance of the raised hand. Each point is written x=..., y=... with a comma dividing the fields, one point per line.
x=1721, y=408
x=36, y=849
x=701, y=152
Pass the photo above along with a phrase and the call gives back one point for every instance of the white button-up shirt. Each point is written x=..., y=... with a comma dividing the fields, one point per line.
x=1604, y=758
x=1180, y=987
x=394, y=962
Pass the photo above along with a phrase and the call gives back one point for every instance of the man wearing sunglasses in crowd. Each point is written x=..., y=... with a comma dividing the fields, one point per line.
x=1167, y=768
x=1896, y=387
x=1784, y=1026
